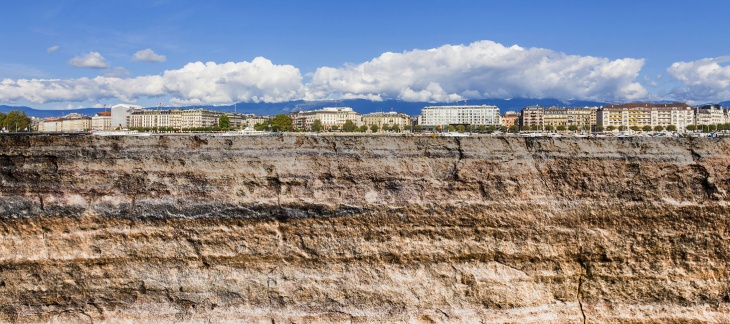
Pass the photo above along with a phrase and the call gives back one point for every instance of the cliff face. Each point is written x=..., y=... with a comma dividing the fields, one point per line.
x=364, y=229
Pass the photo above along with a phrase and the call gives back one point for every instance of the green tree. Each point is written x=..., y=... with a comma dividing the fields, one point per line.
x=658, y=128
x=692, y=128
x=16, y=121
x=491, y=128
x=450, y=128
x=572, y=128
x=635, y=128
x=671, y=128
x=316, y=125
x=513, y=129
x=349, y=126
x=646, y=128
x=549, y=128
x=560, y=128
x=586, y=127
x=418, y=128
x=363, y=129
x=258, y=126
x=599, y=128
x=460, y=128
x=623, y=128
x=281, y=122
x=610, y=128
x=335, y=128
x=503, y=129
x=224, y=122
x=711, y=128
x=385, y=128
x=482, y=128
x=395, y=128
x=374, y=128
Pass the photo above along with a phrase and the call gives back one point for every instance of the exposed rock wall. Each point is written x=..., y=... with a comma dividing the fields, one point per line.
x=302, y=229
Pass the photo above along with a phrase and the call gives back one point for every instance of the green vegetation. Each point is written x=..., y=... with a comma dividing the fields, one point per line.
x=671, y=128
x=450, y=128
x=483, y=128
x=636, y=128
x=658, y=128
x=513, y=129
x=600, y=128
x=549, y=128
x=395, y=129
x=460, y=128
x=610, y=128
x=15, y=121
x=374, y=128
x=572, y=128
x=692, y=127
x=646, y=128
x=224, y=122
x=418, y=128
x=316, y=125
x=349, y=126
x=560, y=128
x=363, y=129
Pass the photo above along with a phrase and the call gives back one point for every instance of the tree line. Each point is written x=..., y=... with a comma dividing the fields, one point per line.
x=15, y=121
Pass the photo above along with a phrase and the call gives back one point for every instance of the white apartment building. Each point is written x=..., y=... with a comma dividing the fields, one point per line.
x=709, y=115
x=178, y=119
x=329, y=116
x=69, y=123
x=460, y=115
x=120, y=113
x=102, y=121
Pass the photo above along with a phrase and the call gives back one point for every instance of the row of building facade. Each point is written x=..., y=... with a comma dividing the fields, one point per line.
x=680, y=115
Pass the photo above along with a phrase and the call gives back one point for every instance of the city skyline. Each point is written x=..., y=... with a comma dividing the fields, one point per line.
x=66, y=54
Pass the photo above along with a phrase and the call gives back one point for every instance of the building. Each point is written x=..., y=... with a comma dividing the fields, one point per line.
x=434, y=116
x=646, y=114
x=532, y=116
x=120, y=113
x=709, y=115
x=391, y=119
x=70, y=123
x=179, y=119
x=511, y=118
x=329, y=117
x=102, y=121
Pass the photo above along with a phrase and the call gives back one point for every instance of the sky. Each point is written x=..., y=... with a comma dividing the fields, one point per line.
x=64, y=54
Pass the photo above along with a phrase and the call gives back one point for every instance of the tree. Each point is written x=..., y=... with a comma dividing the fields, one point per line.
x=711, y=128
x=385, y=128
x=622, y=128
x=450, y=128
x=280, y=122
x=560, y=128
x=224, y=122
x=586, y=127
x=363, y=129
x=418, y=128
x=671, y=128
x=610, y=128
x=572, y=128
x=513, y=129
x=635, y=128
x=460, y=128
x=16, y=121
x=374, y=128
x=261, y=126
x=549, y=128
x=482, y=128
x=316, y=125
x=395, y=128
x=658, y=128
x=646, y=128
x=503, y=129
x=349, y=126
x=692, y=127
x=491, y=128
x=335, y=128
x=469, y=128
x=599, y=128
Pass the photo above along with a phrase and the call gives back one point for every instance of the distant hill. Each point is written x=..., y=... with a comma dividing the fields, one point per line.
x=359, y=105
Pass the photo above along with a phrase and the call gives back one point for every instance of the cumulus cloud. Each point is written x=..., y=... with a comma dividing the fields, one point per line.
x=705, y=80
x=92, y=60
x=482, y=69
x=52, y=49
x=196, y=83
x=148, y=55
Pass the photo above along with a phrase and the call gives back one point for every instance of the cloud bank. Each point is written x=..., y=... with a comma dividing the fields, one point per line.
x=482, y=69
x=705, y=80
x=92, y=60
x=196, y=83
x=148, y=55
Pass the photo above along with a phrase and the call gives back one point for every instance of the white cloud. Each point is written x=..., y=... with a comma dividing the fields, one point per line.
x=52, y=49
x=481, y=70
x=148, y=55
x=92, y=60
x=196, y=83
x=705, y=80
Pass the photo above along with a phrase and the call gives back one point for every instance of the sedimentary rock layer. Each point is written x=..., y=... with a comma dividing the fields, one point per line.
x=297, y=228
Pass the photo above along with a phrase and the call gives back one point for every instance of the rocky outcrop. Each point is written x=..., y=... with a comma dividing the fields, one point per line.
x=298, y=228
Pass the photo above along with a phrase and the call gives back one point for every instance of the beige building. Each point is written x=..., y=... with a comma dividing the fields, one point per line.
x=392, y=118
x=460, y=115
x=532, y=116
x=646, y=114
x=179, y=119
x=69, y=123
x=709, y=115
x=102, y=121
x=329, y=116
x=536, y=116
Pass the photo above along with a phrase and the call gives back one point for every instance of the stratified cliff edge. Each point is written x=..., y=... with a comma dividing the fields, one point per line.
x=302, y=229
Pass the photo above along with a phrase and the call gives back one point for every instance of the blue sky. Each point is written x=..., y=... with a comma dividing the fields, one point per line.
x=67, y=54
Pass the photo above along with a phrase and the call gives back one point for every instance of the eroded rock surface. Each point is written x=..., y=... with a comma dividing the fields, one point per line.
x=332, y=229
